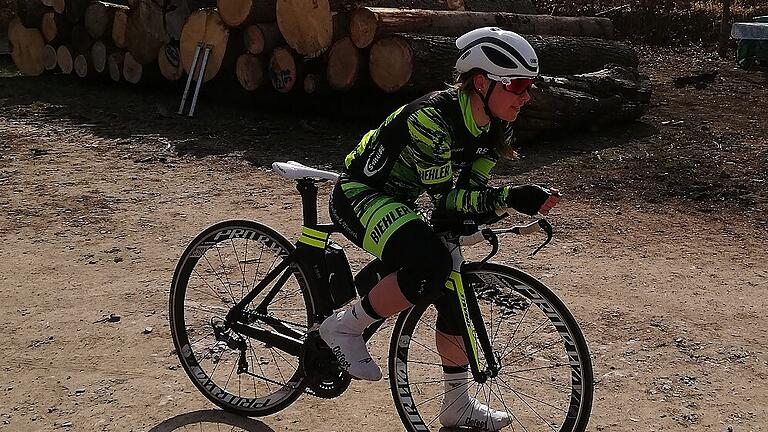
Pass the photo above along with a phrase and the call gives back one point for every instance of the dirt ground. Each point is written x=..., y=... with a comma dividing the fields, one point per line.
x=659, y=250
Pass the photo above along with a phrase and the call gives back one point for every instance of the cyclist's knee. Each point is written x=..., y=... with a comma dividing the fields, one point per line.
x=422, y=281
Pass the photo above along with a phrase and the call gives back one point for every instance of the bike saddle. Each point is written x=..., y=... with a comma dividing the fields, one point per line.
x=294, y=170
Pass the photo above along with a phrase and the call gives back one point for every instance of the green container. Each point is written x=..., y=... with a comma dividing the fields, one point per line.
x=752, y=45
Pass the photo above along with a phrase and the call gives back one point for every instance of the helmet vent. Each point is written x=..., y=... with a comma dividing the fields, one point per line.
x=499, y=58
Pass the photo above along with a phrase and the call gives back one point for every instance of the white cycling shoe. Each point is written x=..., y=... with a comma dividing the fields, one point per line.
x=460, y=410
x=343, y=332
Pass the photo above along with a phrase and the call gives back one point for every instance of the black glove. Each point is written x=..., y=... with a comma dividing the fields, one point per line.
x=526, y=199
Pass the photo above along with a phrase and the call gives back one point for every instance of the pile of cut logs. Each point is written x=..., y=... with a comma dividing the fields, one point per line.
x=327, y=47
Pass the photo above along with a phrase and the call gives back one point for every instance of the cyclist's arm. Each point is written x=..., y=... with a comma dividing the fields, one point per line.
x=431, y=154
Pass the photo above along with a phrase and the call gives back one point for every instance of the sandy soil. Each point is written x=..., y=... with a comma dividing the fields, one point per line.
x=99, y=196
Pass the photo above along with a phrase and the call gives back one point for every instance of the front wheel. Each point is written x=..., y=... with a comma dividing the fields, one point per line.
x=220, y=267
x=545, y=381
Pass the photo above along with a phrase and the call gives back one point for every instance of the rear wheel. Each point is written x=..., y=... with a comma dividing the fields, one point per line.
x=545, y=380
x=221, y=266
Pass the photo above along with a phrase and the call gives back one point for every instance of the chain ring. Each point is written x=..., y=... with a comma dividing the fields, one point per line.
x=324, y=378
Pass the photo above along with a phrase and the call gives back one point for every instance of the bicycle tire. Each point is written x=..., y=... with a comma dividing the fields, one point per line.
x=405, y=384
x=214, y=238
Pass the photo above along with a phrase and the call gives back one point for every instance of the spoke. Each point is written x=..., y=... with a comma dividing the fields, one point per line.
x=517, y=392
x=237, y=258
x=538, y=368
x=532, y=409
x=224, y=267
x=258, y=265
x=512, y=337
x=272, y=351
x=425, y=363
x=525, y=338
x=546, y=345
x=217, y=295
x=245, y=267
x=538, y=381
x=441, y=394
x=216, y=274
x=426, y=347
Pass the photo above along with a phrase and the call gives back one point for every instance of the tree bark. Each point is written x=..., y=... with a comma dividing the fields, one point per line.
x=119, y=26
x=513, y=6
x=368, y=23
x=100, y=52
x=115, y=65
x=99, y=18
x=27, y=48
x=169, y=61
x=64, y=59
x=204, y=25
x=75, y=10
x=725, y=29
x=306, y=25
x=262, y=37
x=250, y=71
x=145, y=32
x=422, y=62
x=30, y=12
x=80, y=41
x=343, y=64
x=49, y=57
x=59, y=6
x=401, y=4
x=236, y=13
x=55, y=28
x=584, y=101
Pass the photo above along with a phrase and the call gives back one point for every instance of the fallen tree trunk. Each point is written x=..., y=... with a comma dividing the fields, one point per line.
x=204, y=25
x=75, y=10
x=286, y=68
x=115, y=65
x=100, y=52
x=135, y=72
x=145, y=32
x=513, y=6
x=49, y=58
x=27, y=48
x=366, y=24
x=422, y=62
x=55, y=28
x=99, y=18
x=263, y=37
x=306, y=25
x=343, y=64
x=64, y=59
x=250, y=71
x=236, y=13
x=169, y=61
x=584, y=101
x=30, y=12
x=406, y=4
x=83, y=66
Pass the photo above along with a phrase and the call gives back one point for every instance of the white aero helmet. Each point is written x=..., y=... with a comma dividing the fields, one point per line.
x=502, y=54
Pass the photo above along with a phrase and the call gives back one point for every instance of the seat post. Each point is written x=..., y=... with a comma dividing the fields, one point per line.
x=308, y=191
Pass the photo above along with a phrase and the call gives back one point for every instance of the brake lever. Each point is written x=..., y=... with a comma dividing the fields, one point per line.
x=493, y=240
x=547, y=227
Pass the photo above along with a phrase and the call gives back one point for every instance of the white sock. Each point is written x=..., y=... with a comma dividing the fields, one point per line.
x=355, y=320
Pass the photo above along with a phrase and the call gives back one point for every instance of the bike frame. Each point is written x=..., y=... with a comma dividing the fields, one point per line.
x=309, y=255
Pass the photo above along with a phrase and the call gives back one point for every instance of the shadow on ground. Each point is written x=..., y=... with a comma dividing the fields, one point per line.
x=211, y=420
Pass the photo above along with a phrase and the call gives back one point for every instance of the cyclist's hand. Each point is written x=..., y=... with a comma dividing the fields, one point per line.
x=532, y=199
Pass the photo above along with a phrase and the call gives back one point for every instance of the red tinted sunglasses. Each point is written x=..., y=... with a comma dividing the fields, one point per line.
x=518, y=86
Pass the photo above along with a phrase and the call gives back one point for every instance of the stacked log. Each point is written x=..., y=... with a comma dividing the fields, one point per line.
x=318, y=47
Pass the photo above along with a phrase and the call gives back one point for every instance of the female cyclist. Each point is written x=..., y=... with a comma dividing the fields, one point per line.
x=459, y=132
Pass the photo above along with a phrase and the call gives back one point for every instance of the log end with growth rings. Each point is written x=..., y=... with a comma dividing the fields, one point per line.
x=306, y=25
x=250, y=71
x=282, y=69
x=27, y=48
x=343, y=64
x=391, y=63
x=362, y=27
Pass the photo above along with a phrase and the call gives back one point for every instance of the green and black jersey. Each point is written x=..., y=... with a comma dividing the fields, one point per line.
x=422, y=146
